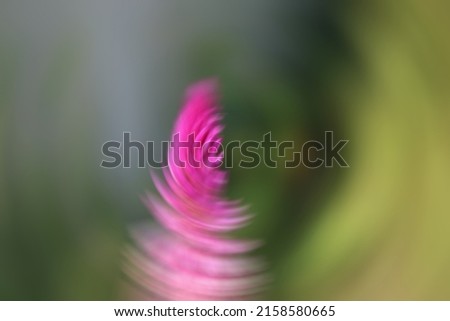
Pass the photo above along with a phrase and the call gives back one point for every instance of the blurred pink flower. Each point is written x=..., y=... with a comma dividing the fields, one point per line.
x=191, y=257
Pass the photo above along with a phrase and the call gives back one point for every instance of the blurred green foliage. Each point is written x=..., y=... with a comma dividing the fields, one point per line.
x=376, y=73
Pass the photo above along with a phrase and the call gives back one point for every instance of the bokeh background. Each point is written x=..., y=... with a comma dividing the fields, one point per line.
x=74, y=74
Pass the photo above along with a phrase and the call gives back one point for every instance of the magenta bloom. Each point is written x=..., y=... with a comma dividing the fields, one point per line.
x=191, y=257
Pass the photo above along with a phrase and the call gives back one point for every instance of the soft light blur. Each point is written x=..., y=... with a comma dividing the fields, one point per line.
x=76, y=74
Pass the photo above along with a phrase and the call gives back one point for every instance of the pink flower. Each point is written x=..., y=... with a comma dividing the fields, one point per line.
x=191, y=257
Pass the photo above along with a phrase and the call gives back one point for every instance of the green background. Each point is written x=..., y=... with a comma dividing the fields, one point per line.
x=76, y=74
